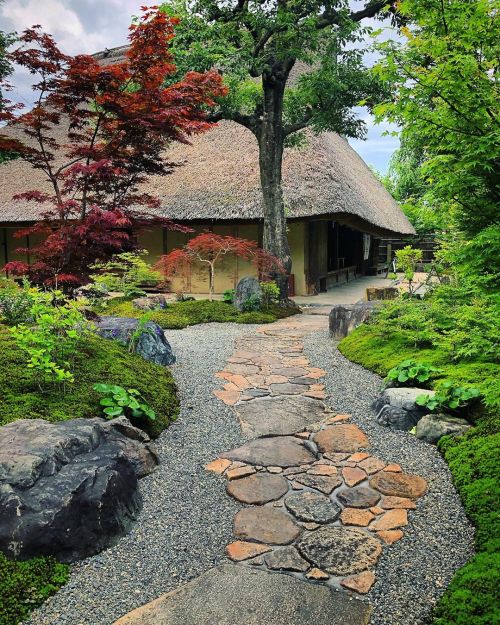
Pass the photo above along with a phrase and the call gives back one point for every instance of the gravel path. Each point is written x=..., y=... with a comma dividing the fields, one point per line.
x=412, y=573
x=187, y=517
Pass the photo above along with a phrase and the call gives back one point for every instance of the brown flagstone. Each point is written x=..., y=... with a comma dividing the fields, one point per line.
x=388, y=503
x=314, y=372
x=241, y=369
x=371, y=465
x=317, y=574
x=286, y=389
x=390, y=536
x=376, y=510
x=359, y=583
x=265, y=524
x=240, y=472
x=228, y=397
x=340, y=417
x=392, y=519
x=354, y=516
x=322, y=469
x=393, y=468
x=359, y=497
x=315, y=394
x=399, y=484
x=258, y=489
x=242, y=550
x=218, y=466
x=324, y=483
x=353, y=475
x=341, y=437
x=358, y=456
x=276, y=379
x=336, y=458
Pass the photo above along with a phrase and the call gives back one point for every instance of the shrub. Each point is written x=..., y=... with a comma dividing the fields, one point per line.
x=270, y=293
x=127, y=273
x=252, y=304
x=448, y=397
x=228, y=296
x=15, y=302
x=24, y=585
x=97, y=359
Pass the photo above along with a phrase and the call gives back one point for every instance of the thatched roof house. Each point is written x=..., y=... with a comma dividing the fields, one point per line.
x=335, y=205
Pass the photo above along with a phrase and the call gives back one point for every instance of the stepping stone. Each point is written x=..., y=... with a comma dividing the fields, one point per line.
x=218, y=466
x=360, y=497
x=391, y=520
x=324, y=483
x=359, y=583
x=317, y=575
x=388, y=503
x=353, y=516
x=286, y=389
x=258, y=489
x=290, y=372
x=344, y=437
x=265, y=525
x=390, y=536
x=353, y=475
x=232, y=593
x=399, y=484
x=313, y=507
x=239, y=473
x=281, y=451
x=340, y=550
x=239, y=369
x=323, y=469
x=371, y=465
x=286, y=559
x=278, y=415
x=241, y=550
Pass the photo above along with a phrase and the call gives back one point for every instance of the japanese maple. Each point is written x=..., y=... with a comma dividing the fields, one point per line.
x=210, y=249
x=98, y=131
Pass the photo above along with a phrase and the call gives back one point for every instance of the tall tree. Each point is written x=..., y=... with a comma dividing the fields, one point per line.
x=444, y=76
x=256, y=45
x=98, y=132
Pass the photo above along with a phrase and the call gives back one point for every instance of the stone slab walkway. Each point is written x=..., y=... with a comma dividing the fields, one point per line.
x=322, y=506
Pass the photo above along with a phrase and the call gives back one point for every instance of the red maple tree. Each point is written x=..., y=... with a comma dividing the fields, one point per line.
x=98, y=131
x=210, y=249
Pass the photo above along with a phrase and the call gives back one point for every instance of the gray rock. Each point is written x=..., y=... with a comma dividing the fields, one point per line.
x=432, y=427
x=68, y=489
x=286, y=559
x=150, y=302
x=313, y=507
x=276, y=451
x=278, y=415
x=396, y=407
x=340, y=550
x=345, y=317
x=246, y=288
x=232, y=594
x=151, y=345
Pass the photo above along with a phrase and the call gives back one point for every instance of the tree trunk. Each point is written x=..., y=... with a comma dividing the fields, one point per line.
x=271, y=143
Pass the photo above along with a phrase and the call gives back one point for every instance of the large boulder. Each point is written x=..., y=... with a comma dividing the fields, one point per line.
x=69, y=489
x=432, y=427
x=396, y=408
x=151, y=344
x=345, y=317
x=150, y=302
x=245, y=289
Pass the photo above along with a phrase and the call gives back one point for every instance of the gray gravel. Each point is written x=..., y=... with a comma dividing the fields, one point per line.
x=187, y=517
x=412, y=573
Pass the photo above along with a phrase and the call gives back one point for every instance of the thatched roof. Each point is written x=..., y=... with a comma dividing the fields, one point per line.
x=219, y=181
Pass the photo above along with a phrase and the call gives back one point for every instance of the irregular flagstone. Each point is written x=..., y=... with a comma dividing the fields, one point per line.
x=336, y=458
x=218, y=466
x=286, y=389
x=231, y=594
x=399, y=484
x=290, y=372
x=392, y=519
x=354, y=516
x=324, y=483
x=343, y=437
x=258, y=489
x=286, y=559
x=317, y=574
x=390, y=536
x=340, y=550
x=353, y=475
x=322, y=469
x=241, y=369
x=239, y=472
x=359, y=583
x=371, y=465
x=359, y=497
x=266, y=525
x=397, y=502
x=278, y=415
x=312, y=507
x=241, y=550
x=281, y=451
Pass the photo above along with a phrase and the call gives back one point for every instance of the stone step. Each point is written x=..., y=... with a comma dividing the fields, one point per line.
x=238, y=595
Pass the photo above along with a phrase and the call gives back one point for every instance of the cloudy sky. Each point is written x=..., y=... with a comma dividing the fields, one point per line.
x=86, y=26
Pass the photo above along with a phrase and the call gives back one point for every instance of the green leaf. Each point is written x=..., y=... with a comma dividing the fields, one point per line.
x=113, y=412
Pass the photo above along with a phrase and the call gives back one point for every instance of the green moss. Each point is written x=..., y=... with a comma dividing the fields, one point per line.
x=472, y=597
x=182, y=314
x=98, y=360
x=26, y=585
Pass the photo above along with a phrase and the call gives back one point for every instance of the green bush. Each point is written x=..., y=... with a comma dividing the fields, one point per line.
x=411, y=373
x=182, y=314
x=24, y=585
x=98, y=360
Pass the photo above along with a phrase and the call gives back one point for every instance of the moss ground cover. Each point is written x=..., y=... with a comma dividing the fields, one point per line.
x=25, y=585
x=473, y=596
x=182, y=314
x=98, y=360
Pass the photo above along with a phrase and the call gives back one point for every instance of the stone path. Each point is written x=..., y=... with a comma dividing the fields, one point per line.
x=320, y=505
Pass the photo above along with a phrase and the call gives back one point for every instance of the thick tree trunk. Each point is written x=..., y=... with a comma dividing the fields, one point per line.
x=271, y=143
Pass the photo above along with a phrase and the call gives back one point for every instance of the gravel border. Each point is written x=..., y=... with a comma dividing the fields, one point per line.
x=187, y=518
x=413, y=573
